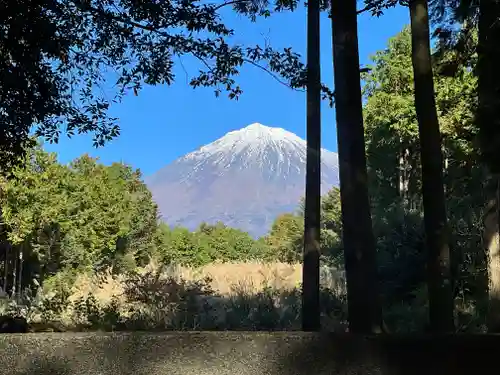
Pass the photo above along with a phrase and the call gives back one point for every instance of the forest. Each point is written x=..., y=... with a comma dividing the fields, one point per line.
x=82, y=244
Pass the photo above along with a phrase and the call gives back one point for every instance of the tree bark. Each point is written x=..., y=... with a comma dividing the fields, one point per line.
x=491, y=241
x=358, y=240
x=401, y=163
x=488, y=119
x=404, y=175
x=20, y=271
x=311, y=319
x=488, y=116
x=14, y=271
x=441, y=316
x=6, y=268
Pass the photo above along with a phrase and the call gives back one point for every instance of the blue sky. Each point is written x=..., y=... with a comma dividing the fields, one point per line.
x=164, y=123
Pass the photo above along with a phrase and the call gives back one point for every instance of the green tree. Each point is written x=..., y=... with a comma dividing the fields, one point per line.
x=480, y=17
x=391, y=129
x=331, y=229
x=178, y=245
x=286, y=238
x=209, y=243
x=79, y=216
x=391, y=126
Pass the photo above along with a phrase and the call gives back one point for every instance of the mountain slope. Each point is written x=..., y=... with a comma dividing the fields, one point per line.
x=244, y=179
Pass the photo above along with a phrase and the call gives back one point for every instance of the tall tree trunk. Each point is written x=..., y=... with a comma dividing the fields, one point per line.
x=404, y=175
x=488, y=118
x=446, y=178
x=401, y=162
x=359, y=243
x=413, y=179
x=489, y=83
x=14, y=272
x=441, y=316
x=20, y=271
x=310, y=282
x=6, y=268
x=491, y=238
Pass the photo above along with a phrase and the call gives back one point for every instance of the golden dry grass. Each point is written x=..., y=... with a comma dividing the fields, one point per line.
x=226, y=279
x=248, y=296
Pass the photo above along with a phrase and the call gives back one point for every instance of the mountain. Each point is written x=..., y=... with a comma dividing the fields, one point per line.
x=244, y=179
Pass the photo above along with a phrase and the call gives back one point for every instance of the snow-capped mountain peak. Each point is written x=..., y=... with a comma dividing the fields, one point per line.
x=258, y=132
x=244, y=179
x=252, y=140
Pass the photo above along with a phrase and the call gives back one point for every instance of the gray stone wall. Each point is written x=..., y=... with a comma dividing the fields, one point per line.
x=235, y=353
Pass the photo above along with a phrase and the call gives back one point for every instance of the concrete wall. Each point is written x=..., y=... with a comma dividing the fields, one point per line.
x=233, y=353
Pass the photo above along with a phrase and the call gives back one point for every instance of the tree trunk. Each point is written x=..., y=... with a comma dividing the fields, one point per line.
x=404, y=175
x=413, y=180
x=14, y=273
x=446, y=178
x=358, y=240
x=441, y=316
x=20, y=271
x=489, y=83
x=491, y=239
x=488, y=119
x=310, y=282
x=6, y=268
x=401, y=162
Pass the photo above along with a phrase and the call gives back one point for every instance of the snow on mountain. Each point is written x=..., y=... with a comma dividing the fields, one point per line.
x=244, y=179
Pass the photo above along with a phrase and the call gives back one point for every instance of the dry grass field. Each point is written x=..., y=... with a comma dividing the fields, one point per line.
x=225, y=279
x=242, y=296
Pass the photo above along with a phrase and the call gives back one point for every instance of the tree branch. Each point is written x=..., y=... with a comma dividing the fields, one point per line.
x=233, y=2
x=263, y=68
x=164, y=34
x=85, y=7
x=365, y=9
x=111, y=16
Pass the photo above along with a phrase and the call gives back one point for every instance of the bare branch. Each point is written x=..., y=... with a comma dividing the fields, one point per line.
x=233, y=2
x=272, y=75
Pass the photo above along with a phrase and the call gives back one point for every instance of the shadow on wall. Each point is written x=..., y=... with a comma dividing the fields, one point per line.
x=207, y=353
x=225, y=353
x=395, y=355
x=57, y=368
x=83, y=353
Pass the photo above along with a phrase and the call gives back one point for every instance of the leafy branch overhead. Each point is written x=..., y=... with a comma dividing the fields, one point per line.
x=58, y=56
